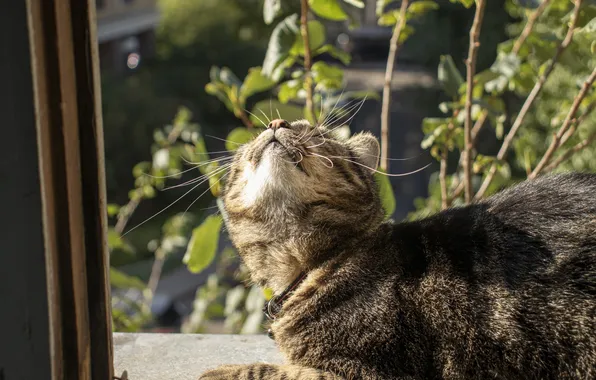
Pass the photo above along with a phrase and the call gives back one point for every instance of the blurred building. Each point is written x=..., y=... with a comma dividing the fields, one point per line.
x=125, y=32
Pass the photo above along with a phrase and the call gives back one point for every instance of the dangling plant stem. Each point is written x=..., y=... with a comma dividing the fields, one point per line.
x=471, y=70
x=308, y=80
x=385, y=112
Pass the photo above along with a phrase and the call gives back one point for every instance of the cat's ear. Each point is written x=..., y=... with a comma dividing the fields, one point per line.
x=366, y=148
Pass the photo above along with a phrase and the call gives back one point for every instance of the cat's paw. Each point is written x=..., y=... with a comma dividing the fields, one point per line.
x=226, y=372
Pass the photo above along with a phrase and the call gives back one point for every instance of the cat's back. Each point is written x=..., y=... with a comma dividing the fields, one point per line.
x=547, y=201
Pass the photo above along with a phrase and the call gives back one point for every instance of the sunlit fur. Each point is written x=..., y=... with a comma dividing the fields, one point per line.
x=501, y=289
x=291, y=209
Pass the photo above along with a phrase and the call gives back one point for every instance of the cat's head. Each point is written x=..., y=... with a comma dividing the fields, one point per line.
x=297, y=193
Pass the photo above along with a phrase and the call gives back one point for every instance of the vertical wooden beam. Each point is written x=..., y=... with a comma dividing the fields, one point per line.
x=24, y=319
x=54, y=262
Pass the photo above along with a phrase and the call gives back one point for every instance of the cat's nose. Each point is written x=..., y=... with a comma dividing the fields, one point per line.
x=278, y=123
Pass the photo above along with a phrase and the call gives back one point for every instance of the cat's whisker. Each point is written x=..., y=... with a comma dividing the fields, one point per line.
x=203, y=193
x=214, y=152
x=202, y=163
x=265, y=116
x=335, y=105
x=316, y=145
x=220, y=139
x=340, y=113
x=170, y=175
x=323, y=157
x=390, y=159
x=200, y=178
x=259, y=119
x=351, y=117
x=270, y=109
x=296, y=162
x=163, y=210
x=380, y=172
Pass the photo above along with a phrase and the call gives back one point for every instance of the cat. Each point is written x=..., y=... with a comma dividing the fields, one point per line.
x=504, y=288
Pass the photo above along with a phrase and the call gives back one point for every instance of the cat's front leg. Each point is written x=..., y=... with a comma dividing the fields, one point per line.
x=263, y=371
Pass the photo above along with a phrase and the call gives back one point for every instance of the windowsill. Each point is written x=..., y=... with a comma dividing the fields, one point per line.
x=186, y=356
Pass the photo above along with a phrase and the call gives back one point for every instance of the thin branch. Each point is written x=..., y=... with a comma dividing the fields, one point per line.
x=459, y=189
x=529, y=26
x=394, y=46
x=554, y=145
x=529, y=102
x=577, y=122
x=570, y=152
x=443, y=179
x=471, y=70
x=308, y=81
x=245, y=120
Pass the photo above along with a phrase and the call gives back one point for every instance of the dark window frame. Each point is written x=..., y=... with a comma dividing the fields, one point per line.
x=59, y=323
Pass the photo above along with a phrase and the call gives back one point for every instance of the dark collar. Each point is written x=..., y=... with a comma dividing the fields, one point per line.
x=274, y=305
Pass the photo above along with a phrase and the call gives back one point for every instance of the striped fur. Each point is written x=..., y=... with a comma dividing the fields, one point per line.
x=502, y=289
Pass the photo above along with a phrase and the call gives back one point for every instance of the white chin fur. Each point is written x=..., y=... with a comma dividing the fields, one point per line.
x=270, y=176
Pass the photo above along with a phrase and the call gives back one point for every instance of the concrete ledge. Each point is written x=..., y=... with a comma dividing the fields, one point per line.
x=186, y=356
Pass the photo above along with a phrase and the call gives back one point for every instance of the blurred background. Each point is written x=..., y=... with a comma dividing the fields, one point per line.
x=156, y=61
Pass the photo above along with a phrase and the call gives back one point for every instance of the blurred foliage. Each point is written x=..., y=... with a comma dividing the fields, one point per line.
x=500, y=91
x=274, y=77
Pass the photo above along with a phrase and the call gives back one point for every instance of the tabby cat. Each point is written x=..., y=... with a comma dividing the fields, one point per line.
x=501, y=289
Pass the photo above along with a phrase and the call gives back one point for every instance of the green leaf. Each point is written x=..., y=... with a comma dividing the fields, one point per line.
x=356, y=3
x=281, y=41
x=420, y=8
x=385, y=192
x=449, y=76
x=327, y=76
x=344, y=57
x=329, y=9
x=593, y=47
x=113, y=209
x=220, y=91
x=271, y=9
x=238, y=136
x=316, y=38
x=389, y=19
x=590, y=27
x=254, y=82
x=121, y=280
x=116, y=242
x=465, y=3
x=289, y=90
x=203, y=244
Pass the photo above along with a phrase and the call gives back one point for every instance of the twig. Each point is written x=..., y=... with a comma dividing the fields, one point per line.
x=529, y=102
x=471, y=69
x=394, y=46
x=443, y=179
x=245, y=120
x=570, y=152
x=566, y=124
x=577, y=122
x=459, y=189
x=529, y=26
x=308, y=81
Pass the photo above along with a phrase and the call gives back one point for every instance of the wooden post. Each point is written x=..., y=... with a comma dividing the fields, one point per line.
x=56, y=320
